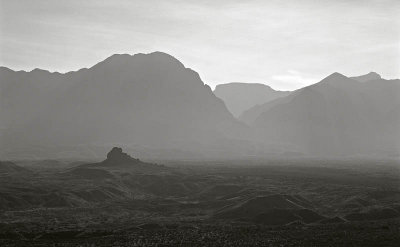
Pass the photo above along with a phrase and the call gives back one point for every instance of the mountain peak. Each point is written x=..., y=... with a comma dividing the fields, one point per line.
x=164, y=57
x=336, y=75
x=161, y=54
x=372, y=73
x=371, y=76
x=117, y=159
x=5, y=69
x=116, y=155
x=121, y=60
x=334, y=78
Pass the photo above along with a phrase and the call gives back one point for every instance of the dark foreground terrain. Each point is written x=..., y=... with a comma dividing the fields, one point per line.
x=123, y=201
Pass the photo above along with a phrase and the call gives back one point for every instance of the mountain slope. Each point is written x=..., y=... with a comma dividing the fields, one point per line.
x=239, y=97
x=145, y=99
x=274, y=209
x=337, y=116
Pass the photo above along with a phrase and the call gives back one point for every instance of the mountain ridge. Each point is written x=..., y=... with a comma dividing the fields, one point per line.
x=147, y=99
x=335, y=117
x=239, y=96
x=154, y=101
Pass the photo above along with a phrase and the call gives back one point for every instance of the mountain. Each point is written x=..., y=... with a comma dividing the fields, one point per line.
x=153, y=104
x=274, y=209
x=335, y=117
x=371, y=76
x=250, y=115
x=151, y=100
x=239, y=97
x=116, y=161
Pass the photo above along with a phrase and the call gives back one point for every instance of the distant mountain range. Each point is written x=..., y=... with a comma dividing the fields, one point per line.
x=335, y=117
x=240, y=97
x=153, y=102
x=150, y=100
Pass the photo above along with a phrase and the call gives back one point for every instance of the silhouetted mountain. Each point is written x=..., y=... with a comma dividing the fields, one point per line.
x=150, y=100
x=118, y=160
x=337, y=116
x=239, y=97
x=116, y=156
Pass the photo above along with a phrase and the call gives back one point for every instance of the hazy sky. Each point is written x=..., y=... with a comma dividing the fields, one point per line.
x=285, y=44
